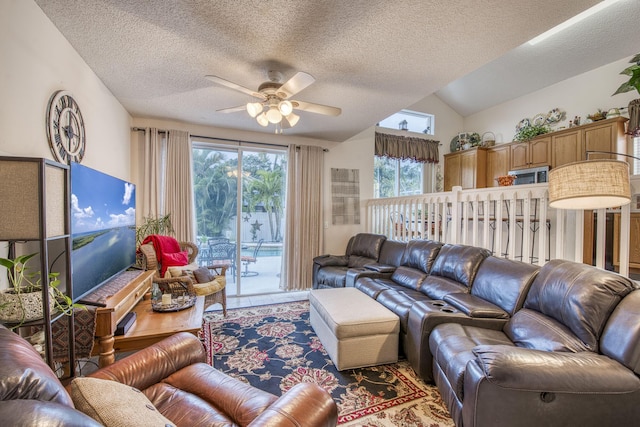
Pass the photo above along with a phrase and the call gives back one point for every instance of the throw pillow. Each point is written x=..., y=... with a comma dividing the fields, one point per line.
x=114, y=404
x=202, y=275
x=181, y=270
x=172, y=259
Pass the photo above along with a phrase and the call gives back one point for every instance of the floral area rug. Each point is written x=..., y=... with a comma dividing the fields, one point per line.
x=273, y=347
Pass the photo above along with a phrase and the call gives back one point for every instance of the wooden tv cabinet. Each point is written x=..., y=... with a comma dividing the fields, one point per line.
x=150, y=326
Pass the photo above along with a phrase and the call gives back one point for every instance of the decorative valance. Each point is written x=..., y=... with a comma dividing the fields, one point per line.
x=407, y=148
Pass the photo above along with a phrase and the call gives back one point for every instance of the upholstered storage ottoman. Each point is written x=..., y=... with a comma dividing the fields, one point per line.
x=355, y=330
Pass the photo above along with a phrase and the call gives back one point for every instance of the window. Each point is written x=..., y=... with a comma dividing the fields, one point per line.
x=412, y=121
x=396, y=177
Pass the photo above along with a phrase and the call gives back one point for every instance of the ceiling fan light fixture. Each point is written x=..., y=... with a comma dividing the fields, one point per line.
x=273, y=115
x=292, y=118
x=262, y=120
x=285, y=108
x=254, y=108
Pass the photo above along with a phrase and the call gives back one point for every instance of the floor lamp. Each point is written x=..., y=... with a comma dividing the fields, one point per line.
x=592, y=184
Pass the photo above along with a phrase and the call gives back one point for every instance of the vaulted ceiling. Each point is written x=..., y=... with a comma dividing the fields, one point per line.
x=370, y=58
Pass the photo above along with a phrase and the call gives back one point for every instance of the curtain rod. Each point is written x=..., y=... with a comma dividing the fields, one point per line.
x=238, y=141
x=137, y=129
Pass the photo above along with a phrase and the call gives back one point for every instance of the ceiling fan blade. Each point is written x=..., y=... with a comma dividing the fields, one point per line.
x=235, y=86
x=295, y=84
x=233, y=109
x=316, y=108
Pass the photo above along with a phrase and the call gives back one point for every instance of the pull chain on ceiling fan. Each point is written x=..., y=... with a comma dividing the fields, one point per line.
x=275, y=106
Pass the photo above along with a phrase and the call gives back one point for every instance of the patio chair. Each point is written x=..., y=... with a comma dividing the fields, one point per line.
x=250, y=259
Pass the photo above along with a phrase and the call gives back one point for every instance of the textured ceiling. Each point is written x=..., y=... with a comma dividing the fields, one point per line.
x=369, y=57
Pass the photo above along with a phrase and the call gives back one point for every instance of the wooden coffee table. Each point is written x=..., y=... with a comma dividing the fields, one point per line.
x=152, y=326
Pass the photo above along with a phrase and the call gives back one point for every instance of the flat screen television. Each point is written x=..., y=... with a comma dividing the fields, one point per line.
x=103, y=228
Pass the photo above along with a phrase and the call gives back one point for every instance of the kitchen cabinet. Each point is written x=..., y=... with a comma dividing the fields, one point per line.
x=531, y=154
x=571, y=145
x=634, y=240
x=566, y=147
x=466, y=169
x=498, y=163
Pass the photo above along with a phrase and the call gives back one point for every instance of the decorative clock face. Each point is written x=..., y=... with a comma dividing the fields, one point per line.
x=65, y=128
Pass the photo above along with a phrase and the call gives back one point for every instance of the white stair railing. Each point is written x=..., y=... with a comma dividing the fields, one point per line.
x=513, y=222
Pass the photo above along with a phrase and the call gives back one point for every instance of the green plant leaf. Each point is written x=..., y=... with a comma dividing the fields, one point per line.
x=629, y=71
x=624, y=87
x=636, y=58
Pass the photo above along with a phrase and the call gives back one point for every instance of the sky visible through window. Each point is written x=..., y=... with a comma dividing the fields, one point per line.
x=416, y=121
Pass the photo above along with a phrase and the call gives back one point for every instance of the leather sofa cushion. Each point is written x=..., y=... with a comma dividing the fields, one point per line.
x=530, y=329
x=391, y=252
x=409, y=277
x=578, y=296
x=356, y=261
x=621, y=337
x=24, y=375
x=332, y=275
x=365, y=245
x=399, y=303
x=373, y=286
x=504, y=282
x=452, y=347
x=475, y=307
x=436, y=287
x=459, y=263
x=420, y=254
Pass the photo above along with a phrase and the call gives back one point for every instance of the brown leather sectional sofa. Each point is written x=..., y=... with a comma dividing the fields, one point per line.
x=509, y=343
x=171, y=374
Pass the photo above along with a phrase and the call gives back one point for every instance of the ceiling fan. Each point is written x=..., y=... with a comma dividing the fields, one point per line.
x=274, y=105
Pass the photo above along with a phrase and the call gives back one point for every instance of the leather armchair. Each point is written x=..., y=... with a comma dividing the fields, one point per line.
x=173, y=376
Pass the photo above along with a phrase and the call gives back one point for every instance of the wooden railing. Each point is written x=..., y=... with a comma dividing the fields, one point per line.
x=513, y=222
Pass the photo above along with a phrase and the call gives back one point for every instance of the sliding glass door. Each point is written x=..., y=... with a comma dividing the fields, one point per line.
x=240, y=222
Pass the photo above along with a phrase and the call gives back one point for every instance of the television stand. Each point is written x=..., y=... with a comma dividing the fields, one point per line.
x=126, y=293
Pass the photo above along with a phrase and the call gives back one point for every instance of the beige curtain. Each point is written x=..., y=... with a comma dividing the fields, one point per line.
x=150, y=203
x=303, y=237
x=178, y=192
x=406, y=148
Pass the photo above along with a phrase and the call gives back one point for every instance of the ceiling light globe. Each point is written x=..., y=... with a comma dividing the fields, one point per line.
x=285, y=108
x=292, y=119
x=262, y=120
x=274, y=116
x=254, y=108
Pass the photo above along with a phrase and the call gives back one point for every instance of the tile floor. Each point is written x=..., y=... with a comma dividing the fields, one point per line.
x=252, y=300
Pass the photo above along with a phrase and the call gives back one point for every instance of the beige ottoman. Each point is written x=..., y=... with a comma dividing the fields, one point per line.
x=355, y=330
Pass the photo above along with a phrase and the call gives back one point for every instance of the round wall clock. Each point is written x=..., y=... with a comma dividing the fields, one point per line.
x=65, y=128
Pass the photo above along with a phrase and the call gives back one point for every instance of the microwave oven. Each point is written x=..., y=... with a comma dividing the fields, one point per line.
x=531, y=175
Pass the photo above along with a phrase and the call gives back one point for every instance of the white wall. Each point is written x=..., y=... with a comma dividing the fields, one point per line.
x=579, y=96
x=36, y=61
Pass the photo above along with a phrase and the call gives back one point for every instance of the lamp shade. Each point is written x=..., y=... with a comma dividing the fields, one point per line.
x=262, y=120
x=254, y=108
x=591, y=184
x=273, y=115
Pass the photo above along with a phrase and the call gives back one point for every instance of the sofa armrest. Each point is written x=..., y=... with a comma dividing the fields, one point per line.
x=305, y=404
x=151, y=365
x=24, y=412
x=518, y=368
x=475, y=307
x=381, y=268
x=326, y=260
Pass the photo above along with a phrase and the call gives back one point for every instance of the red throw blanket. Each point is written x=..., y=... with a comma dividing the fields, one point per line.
x=165, y=247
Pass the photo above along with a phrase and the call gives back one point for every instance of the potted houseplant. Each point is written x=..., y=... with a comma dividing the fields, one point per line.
x=22, y=301
x=633, y=71
x=529, y=132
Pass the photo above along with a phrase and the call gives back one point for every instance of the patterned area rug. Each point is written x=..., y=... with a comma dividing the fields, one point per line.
x=273, y=347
